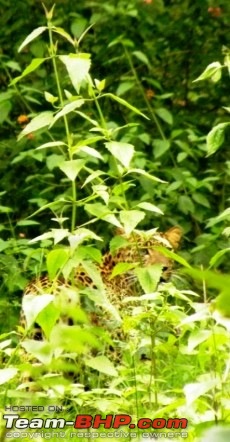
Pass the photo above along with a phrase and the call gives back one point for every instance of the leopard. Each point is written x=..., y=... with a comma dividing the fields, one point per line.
x=103, y=290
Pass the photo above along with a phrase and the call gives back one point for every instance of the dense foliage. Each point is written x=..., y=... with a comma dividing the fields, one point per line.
x=116, y=114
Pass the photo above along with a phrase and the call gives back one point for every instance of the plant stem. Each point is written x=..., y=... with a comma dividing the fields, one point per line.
x=67, y=130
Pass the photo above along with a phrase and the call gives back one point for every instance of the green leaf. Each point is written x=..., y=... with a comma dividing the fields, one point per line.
x=222, y=303
x=72, y=339
x=197, y=337
x=90, y=151
x=149, y=277
x=78, y=66
x=63, y=33
x=130, y=219
x=218, y=255
x=35, y=63
x=210, y=71
x=122, y=267
x=145, y=174
x=125, y=103
x=215, y=138
x=72, y=168
x=41, y=350
x=6, y=374
x=165, y=115
x=173, y=255
x=185, y=204
x=70, y=107
x=201, y=199
x=34, y=34
x=141, y=56
x=56, y=259
x=150, y=207
x=160, y=147
x=124, y=87
x=121, y=151
x=51, y=144
x=42, y=120
x=197, y=389
x=217, y=434
x=32, y=305
x=103, y=365
x=5, y=108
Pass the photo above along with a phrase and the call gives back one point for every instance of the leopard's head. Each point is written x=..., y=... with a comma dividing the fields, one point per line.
x=142, y=248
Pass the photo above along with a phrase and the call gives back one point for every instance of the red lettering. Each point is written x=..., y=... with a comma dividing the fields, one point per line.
x=83, y=421
x=177, y=423
x=121, y=419
x=107, y=422
x=159, y=423
x=144, y=423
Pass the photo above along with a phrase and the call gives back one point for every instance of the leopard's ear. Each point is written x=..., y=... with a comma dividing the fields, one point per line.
x=174, y=236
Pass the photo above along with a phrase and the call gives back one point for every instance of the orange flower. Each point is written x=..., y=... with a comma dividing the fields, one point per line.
x=150, y=94
x=215, y=12
x=22, y=119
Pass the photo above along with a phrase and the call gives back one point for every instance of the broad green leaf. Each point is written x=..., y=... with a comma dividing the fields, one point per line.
x=41, y=350
x=70, y=107
x=125, y=103
x=218, y=255
x=78, y=66
x=121, y=151
x=6, y=374
x=201, y=199
x=217, y=434
x=197, y=389
x=50, y=98
x=197, y=337
x=222, y=302
x=149, y=277
x=5, y=209
x=122, y=267
x=124, y=87
x=130, y=219
x=150, y=207
x=215, y=138
x=72, y=168
x=5, y=108
x=99, y=210
x=42, y=120
x=35, y=63
x=186, y=204
x=160, y=147
x=48, y=317
x=63, y=33
x=93, y=176
x=32, y=305
x=165, y=115
x=225, y=215
x=72, y=339
x=210, y=70
x=141, y=56
x=51, y=144
x=145, y=174
x=56, y=259
x=27, y=222
x=34, y=34
x=90, y=151
x=103, y=365
x=173, y=256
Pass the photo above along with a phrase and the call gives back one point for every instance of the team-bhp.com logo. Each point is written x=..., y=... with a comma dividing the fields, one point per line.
x=86, y=421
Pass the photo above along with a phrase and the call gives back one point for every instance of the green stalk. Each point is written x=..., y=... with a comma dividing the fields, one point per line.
x=148, y=105
x=67, y=130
